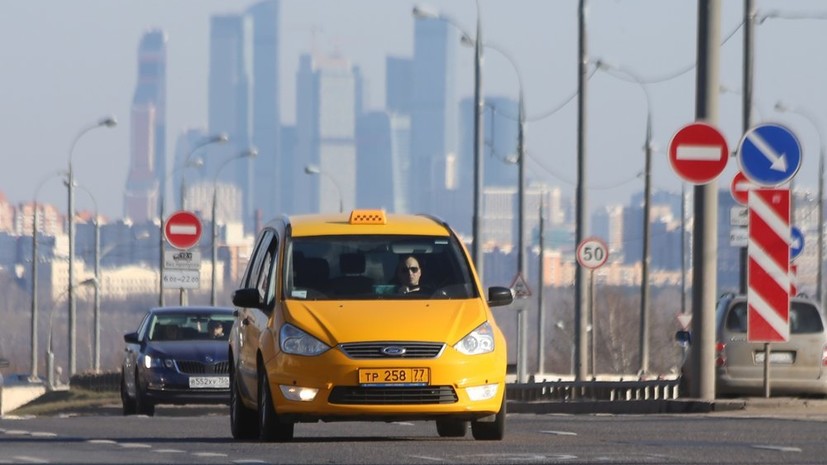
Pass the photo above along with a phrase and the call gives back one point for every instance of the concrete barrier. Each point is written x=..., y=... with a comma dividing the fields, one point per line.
x=17, y=390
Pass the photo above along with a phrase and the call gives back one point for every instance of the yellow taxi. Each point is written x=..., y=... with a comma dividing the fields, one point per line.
x=365, y=316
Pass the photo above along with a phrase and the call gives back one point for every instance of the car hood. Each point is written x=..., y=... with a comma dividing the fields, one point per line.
x=339, y=322
x=202, y=351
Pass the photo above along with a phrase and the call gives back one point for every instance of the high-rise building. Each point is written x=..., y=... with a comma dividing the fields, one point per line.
x=269, y=176
x=228, y=103
x=433, y=117
x=148, y=166
x=398, y=85
x=326, y=131
x=382, y=162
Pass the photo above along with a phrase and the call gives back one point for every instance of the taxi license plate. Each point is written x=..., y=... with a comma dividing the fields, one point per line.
x=210, y=382
x=395, y=376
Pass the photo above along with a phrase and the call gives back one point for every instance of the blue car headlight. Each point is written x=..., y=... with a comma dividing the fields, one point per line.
x=478, y=341
x=158, y=362
x=294, y=341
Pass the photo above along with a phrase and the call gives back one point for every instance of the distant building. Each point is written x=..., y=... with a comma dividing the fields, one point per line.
x=148, y=164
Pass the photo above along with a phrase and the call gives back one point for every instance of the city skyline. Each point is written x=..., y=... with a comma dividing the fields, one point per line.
x=81, y=78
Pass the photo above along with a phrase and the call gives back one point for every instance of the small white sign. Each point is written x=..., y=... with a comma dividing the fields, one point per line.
x=738, y=236
x=739, y=216
x=182, y=259
x=182, y=279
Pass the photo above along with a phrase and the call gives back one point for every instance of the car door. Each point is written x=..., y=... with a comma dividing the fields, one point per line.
x=252, y=321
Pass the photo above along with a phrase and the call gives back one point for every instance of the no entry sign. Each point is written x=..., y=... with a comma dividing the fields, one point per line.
x=698, y=153
x=182, y=229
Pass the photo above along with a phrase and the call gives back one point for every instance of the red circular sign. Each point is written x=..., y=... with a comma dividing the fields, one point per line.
x=182, y=229
x=592, y=253
x=698, y=153
x=739, y=188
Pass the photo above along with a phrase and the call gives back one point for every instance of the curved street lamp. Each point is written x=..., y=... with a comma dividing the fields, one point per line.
x=647, y=195
x=34, y=375
x=108, y=122
x=219, y=138
x=250, y=152
x=313, y=169
x=476, y=246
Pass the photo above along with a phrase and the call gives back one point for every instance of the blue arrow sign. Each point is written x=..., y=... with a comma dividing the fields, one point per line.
x=796, y=242
x=769, y=154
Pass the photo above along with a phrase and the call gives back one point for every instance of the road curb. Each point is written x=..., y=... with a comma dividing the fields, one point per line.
x=627, y=407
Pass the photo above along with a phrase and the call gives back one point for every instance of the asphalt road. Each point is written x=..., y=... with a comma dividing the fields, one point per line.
x=763, y=433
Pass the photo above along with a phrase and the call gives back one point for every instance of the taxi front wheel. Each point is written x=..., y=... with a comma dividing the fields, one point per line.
x=490, y=430
x=269, y=427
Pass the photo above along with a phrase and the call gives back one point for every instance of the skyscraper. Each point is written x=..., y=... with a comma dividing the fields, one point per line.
x=433, y=115
x=326, y=131
x=147, y=173
x=228, y=103
x=269, y=176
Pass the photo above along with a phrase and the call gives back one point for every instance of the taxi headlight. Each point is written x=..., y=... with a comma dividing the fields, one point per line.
x=478, y=341
x=294, y=341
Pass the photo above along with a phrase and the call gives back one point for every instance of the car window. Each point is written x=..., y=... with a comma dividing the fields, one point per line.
x=368, y=267
x=804, y=318
x=190, y=326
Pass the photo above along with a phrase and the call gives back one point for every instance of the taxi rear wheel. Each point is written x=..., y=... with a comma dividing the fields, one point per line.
x=269, y=427
x=490, y=430
x=243, y=421
x=451, y=428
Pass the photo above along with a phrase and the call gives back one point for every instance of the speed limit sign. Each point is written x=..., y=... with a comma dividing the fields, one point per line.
x=592, y=253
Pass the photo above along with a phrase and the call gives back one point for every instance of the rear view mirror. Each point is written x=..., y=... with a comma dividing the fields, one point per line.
x=683, y=338
x=499, y=296
x=131, y=338
x=247, y=298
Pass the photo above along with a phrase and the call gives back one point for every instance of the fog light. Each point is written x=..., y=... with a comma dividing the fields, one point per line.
x=484, y=392
x=301, y=394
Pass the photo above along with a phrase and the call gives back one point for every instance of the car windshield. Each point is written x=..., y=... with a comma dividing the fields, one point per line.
x=804, y=318
x=377, y=267
x=189, y=327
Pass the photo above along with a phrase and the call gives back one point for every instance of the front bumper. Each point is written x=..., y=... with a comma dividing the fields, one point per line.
x=340, y=396
x=171, y=387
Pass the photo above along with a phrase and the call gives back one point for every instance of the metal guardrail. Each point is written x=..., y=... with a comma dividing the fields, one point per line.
x=563, y=391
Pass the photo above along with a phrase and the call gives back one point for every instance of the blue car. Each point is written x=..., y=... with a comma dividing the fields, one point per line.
x=178, y=355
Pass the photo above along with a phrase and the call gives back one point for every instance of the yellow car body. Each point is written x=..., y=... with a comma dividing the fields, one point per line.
x=314, y=344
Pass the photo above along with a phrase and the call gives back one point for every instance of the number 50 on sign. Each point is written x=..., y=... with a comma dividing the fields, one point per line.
x=592, y=253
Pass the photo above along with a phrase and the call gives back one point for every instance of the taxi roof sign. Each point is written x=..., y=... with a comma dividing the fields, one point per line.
x=368, y=217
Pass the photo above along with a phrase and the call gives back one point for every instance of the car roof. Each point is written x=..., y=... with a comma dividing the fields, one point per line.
x=194, y=309
x=366, y=222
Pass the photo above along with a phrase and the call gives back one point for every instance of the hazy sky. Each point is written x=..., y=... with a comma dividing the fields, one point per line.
x=67, y=63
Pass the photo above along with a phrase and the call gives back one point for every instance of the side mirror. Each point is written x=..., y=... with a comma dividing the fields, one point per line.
x=131, y=338
x=499, y=296
x=683, y=338
x=247, y=298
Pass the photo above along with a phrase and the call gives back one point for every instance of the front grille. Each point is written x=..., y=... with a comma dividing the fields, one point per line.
x=374, y=350
x=417, y=395
x=193, y=367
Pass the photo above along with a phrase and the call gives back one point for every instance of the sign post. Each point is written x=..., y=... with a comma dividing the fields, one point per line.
x=182, y=268
x=592, y=253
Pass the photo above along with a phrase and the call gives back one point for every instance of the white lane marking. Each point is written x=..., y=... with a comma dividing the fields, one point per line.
x=698, y=152
x=778, y=161
x=425, y=457
x=560, y=433
x=27, y=459
x=101, y=441
x=777, y=448
x=17, y=432
x=209, y=454
x=249, y=461
x=44, y=434
x=403, y=423
x=168, y=451
x=134, y=445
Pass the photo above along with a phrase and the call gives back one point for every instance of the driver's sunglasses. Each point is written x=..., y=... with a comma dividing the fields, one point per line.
x=411, y=269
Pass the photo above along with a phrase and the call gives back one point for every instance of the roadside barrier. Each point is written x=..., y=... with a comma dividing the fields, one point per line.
x=623, y=390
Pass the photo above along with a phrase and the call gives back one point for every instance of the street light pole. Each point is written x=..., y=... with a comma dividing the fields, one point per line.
x=782, y=107
x=215, y=139
x=248, y=153
x=581, y=302
x=34, y=375
x=313, y=169
x=109, y=122
x=97, y=306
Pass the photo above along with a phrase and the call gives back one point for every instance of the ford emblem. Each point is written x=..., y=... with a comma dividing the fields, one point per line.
x=393, y=350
